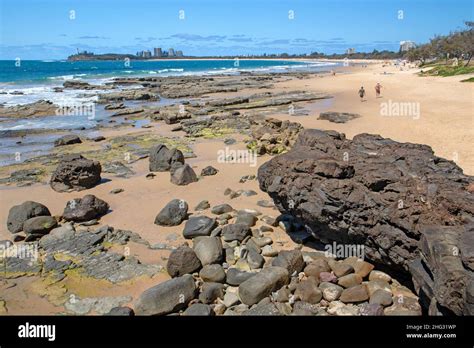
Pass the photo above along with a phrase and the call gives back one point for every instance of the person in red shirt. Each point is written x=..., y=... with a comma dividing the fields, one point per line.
x=378, y=87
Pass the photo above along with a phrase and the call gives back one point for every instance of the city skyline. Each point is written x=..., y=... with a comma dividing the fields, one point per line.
x=47, y=29
x=158, y=52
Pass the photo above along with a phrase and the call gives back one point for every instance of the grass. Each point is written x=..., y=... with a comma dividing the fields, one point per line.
x=471, y=79
x=445, y=70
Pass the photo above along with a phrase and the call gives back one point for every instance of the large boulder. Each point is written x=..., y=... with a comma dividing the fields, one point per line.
x=162, y=158
x=182, y=260
x=292, y=260
x=236, y=232
x=18, y=214
x=183, y=175
x=212, y=273
x=411, y=210
x=84, y=209
x=166, y=297
x=75, y=173
x=199, y=226
x=262, y=284
x=39, y=226
x=208, y=250
x=175, y=212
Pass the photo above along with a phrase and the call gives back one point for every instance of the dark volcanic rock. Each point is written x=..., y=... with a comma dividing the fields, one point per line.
x=181, y=261
x=211, y=292
x=39, y=225
x=265, y=309
x=212, y=273
x=75, y=173
x=209, y=250
x=236, y=277
x=209, y=170
x=72, y=84
x=67, y=140
x=235, y=232
x=199, y=309
x=221, y=209
x=173, y=213
x=183, y=175
x=262, y=284
x=162, y=158
x=203, y=205
x=292, y=260
x=97, y=139
x=121, y=311
x=410, y=209
x=246, y=219
x=337, y=117
x=166, y=297
x=84, y=209
x=198, y=226
x=18, y=214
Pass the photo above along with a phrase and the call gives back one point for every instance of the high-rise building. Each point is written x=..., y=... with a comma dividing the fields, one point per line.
x=350, y=51
x=406, y=45
x=147, y=54
x=179, y=53
x=171, y=52
x=157, y=52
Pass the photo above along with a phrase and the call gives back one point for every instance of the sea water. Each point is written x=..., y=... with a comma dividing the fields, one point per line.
x=24, y=82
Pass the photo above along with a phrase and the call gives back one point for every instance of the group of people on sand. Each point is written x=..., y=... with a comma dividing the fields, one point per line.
x=378, y=88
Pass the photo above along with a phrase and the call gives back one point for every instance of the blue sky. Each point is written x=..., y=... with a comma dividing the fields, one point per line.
x=44, y=29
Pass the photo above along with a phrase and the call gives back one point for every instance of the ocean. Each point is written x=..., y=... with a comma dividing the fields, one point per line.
x=25, y=82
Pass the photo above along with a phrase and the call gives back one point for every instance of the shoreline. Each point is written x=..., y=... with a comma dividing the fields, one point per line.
x=291, y=98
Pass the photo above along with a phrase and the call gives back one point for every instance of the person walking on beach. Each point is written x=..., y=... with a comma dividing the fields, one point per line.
x=362, y=93
x=378, y=87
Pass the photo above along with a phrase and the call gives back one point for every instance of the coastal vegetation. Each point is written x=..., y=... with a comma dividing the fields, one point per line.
x=454, y=49
x=441, y=69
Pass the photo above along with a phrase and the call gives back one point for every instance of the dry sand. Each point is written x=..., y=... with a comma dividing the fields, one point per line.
x=446, y=118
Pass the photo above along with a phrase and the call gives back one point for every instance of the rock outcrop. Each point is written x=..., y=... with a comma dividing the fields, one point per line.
x=162, y=158
x=411, y=210
x=337, y=117
x=75, y=173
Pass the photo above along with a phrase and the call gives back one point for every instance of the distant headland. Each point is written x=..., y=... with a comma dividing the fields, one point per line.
x=158, y=53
